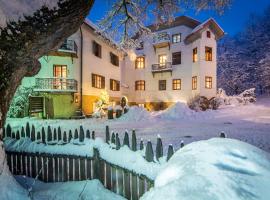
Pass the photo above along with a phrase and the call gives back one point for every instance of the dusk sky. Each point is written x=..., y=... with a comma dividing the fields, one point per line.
x=232, y=21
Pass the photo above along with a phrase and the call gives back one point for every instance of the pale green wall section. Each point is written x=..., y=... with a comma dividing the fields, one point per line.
x=46, y=71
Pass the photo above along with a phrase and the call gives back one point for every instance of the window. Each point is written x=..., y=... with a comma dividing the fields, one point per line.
x=208, y=53
x=176, y=38
x=176, y=58
x=195, y=55
x=141, y=105
x=208, y=34
x=96, y=49
x=208, y=82
x=114, y=85
x=140, y=63
x=162, y=59
x=162, y=84
x=140, y=85
x=140, y=46
x=114, y=59
x=176, y=84
x=194, y=83
x=60, y=72
x=98, y=81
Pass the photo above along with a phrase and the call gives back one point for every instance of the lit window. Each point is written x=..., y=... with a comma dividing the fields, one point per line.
x=98, y=81
x=208, y=53
x=140, y=85
x=176, y=84
x=195, y=55
x=141, y=105
x=162, y=84
x=176, y=38
x=114, y=85
x=162, y=59
x=140, y=63
x=208, y=82
x=208, y=34
x=194, y=83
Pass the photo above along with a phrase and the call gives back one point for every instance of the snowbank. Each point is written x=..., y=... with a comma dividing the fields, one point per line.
x=135, y=113
x=9, y=188
x=87, y=190
x=216, y=169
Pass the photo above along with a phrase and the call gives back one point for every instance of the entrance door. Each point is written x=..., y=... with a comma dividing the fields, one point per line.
x=60, y=75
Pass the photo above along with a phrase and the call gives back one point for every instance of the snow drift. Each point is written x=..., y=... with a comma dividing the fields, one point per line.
x=216, y=169
x=136, y=113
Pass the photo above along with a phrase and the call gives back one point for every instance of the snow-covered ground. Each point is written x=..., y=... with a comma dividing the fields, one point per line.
x=249, y=123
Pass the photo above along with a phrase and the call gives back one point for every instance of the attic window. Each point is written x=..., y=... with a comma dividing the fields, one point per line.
x=208, y=34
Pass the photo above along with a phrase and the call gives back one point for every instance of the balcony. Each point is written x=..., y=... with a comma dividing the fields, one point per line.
x=160, y=68
x=161, y=40
x=56, y=85
x=69, y=45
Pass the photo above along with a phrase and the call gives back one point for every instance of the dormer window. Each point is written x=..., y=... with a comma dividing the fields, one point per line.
x=208, y=34
x=176, y=38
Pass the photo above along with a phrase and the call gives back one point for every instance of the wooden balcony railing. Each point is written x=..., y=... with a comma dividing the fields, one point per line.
x=69, y=46
x=56, y=85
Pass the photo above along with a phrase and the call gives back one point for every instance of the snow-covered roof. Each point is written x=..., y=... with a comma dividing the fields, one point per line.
x=211, y=23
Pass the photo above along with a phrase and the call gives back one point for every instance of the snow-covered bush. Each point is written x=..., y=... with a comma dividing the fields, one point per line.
x=101, y=105
x=20, y=102
x=110, y=112
x=198, y=103
x=118, y=110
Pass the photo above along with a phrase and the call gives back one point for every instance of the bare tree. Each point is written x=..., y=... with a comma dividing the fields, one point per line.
x=126, y=18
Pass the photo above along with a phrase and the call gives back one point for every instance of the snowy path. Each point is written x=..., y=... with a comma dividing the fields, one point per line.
x=250, y=123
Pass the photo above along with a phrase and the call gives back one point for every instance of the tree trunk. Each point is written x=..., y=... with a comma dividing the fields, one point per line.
x=22, y=43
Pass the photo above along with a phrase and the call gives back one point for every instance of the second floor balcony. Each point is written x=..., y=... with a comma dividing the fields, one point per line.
x=56, y=84
x=69, y=46
x=161, y=40
x=162, y=67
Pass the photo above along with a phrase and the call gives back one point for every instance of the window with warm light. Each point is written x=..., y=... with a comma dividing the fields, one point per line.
x=140, y=63
x=162, y=59
x=195, y=55
x=98, y=81
x=162, y=84
x=114, y=85
x=176, y=38
x=176, y=84
x=194, y=83
x=208, y=53
x=140, y=85
x=208, y=82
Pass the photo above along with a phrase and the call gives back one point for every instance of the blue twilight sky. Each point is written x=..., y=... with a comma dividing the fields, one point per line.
x=232, y=21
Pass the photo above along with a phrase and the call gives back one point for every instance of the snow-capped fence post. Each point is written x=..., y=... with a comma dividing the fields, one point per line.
x=43, y=135
x=76, y=134
x=27, y=130
x=38, y=136
x=81, y=136
x=107, y=134
x=149, y=153
x=141, y=145
x=222, y=135
x=126, y=139
x=88, y=135
x=170, y=152
x=49, y=134
x=117, y=142
x=93, y=135
x=8, y=131
x=13, y=136
x=69, y=136
x=113, y=138
x=33, y=133
x=59, y=134
x=17, y=135
x=54, y=135
x=22, y=133
x=110, y=113
x=133, y=141
x=182, y=144
x=96, y=167
x=65, y=140
x=159, y=148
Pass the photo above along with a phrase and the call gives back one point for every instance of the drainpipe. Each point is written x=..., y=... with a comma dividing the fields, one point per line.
x=81, y=74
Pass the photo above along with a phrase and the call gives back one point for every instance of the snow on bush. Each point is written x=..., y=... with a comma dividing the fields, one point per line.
x=19, y=102
x=136, y=113
x=216, y=169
